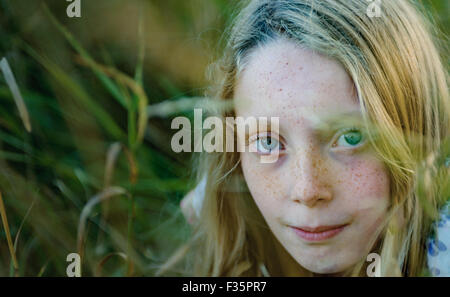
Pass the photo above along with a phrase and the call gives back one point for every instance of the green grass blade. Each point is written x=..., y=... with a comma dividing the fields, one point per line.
x=8, y=234
x=78, y=92
x=11, y=81
x=105, y=80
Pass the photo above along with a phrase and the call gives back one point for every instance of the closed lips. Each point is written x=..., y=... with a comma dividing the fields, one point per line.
x=318, y=233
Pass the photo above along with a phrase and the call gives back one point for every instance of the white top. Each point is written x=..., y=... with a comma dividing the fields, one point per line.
x=438, y=247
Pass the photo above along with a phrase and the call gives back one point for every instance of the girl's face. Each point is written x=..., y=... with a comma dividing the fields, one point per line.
x=327, y=193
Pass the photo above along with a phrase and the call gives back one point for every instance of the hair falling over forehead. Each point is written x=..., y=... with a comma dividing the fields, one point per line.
x=402, y=88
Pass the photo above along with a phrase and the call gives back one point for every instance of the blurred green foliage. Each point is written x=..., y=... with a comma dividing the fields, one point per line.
x=86, y=83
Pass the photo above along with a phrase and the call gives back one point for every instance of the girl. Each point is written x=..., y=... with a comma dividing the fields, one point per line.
x=363, y=108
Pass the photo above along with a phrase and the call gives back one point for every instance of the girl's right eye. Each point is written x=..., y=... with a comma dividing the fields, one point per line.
x=268, y=144
x=265, y=145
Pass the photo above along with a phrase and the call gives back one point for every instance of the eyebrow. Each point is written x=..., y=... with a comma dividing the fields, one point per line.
x=323, y=125
x=338, y=119
x=328, y=124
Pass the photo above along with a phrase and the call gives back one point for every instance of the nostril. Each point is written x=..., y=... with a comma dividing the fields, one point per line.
x=311, y=193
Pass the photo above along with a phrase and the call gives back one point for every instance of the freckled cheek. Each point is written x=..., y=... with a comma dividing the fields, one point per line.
x=364, y=180
x=265, y=186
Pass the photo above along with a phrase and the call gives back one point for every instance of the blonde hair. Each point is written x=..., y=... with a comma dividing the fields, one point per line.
x=402, y=88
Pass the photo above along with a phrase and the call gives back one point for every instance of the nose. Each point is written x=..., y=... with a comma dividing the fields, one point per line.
x=310, y=185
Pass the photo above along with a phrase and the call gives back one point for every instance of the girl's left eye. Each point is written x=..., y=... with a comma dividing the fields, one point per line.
x=351, y=138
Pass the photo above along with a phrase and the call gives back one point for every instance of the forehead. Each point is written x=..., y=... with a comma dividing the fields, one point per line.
x=283, y=79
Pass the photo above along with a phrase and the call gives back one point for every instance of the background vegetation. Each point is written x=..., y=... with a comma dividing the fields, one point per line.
x=86, y=164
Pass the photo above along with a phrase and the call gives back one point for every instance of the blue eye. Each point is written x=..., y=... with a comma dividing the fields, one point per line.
x=267, y=144
x=351, y=138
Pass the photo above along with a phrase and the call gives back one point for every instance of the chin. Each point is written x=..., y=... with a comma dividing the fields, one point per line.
x=325, y=269
x=325, y=266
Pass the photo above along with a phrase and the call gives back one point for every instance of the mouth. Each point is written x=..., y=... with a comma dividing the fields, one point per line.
x=320, y=233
